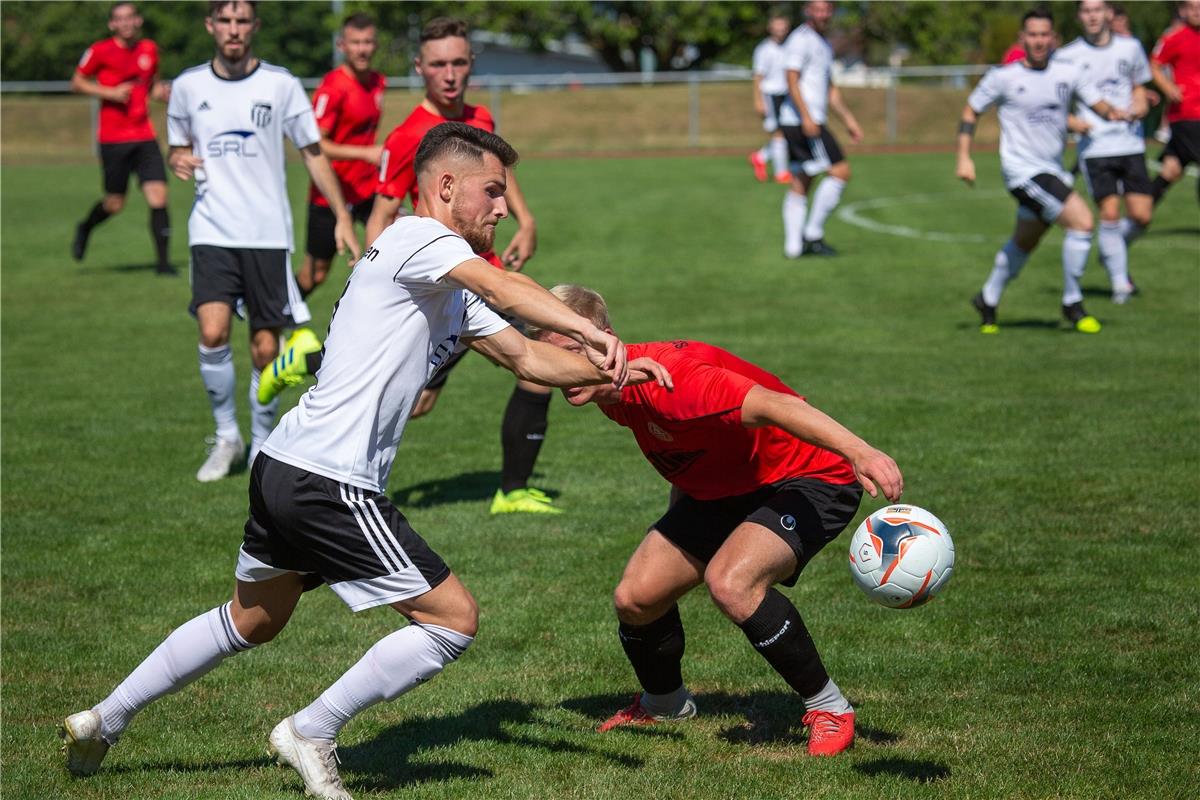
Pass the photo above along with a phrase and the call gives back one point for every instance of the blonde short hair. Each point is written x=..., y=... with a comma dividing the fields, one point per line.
x=585, y=302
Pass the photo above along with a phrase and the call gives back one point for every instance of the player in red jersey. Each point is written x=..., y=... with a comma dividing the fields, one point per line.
x=348, y=104
x=760, y=482
x=1179, y=49
x=121, y=71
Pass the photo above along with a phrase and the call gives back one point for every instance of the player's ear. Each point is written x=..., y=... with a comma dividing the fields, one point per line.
x=445, y=186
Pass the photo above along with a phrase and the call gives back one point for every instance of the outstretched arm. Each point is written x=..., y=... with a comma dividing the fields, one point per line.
x=842, y=110
x=872, y=467
x=545, y=364
x=327, y=183
x=524, y=239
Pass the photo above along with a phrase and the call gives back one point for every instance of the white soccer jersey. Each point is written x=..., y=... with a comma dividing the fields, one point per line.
x=1115, y=70
x=768, y=64
x=809, y=53
x=237, y=127
x=395, y=324
x=1033, y=105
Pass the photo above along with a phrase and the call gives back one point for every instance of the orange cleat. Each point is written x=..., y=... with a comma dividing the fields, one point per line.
x=783, y=177
x=636, y=715
x=760, y=167
x=829, y=733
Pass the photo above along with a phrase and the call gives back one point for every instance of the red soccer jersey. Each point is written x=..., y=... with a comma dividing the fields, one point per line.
x=1014, y=53
x=694, y=436
x=1180, y=50
x=348, y=112
x=112, y=64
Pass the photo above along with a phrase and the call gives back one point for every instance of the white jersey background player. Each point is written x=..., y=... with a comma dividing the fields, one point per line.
x=1033, y=97
x=770, y=92
x=1112, y=155
x=226, y=122
x=318, y=511
x=811, y=94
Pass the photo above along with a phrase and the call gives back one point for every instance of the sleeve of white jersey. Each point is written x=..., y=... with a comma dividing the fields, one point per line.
x=986, y=93
x=795, y=55
x=299, y=121
x=1087, y=91
x=430, y=262
x=758, y=61
x=1141, y=65
x=179, y=123
x=481, y=320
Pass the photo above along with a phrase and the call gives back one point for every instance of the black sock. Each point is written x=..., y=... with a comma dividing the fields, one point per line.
x=778, y=634
x=160, y=230
x=656, y=652
x=95, y=217
x=1158, y=188
x=521, y=436
x=312, y=361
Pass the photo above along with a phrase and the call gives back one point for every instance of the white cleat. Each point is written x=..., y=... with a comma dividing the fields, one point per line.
x=82, y=742
x=222, y=455
x=315, y=759
x=1121, y=296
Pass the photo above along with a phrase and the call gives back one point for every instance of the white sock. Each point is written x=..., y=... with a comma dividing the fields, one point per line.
x=780, y=156
x=398, y=662
x=1075, y=249
x=1114, y=255
x=262, y=418
x=795, y=206
x=1008, y=263
x=830, y=698
x=666, y=705
x=824, y=202
x=1130, y=230
x=192, y=649
x=217, y=373
x=764, y=153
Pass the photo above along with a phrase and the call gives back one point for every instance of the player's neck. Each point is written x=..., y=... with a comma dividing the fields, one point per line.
x=361, y=77
x=454, y=111
x=1037, y=65
x=1101, y=39
x=234, y=70
x=125, y=43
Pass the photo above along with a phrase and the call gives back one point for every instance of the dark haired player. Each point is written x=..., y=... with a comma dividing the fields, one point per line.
x=1033, y=97
x=760, y=482
x=318, y=508
x=1179, y=49
x=120, y=71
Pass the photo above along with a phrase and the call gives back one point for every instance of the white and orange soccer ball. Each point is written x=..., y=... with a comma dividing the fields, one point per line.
x=901, y=556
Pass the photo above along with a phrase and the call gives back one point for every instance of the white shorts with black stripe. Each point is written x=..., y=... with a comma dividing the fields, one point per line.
x=351, y=538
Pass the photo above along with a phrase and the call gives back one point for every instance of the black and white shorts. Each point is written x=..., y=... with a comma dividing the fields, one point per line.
x=118, y=161
x=351, y=538
x=1185, y=142
x=815, y=155
x=773, y=103
x=1109, y=175
x=1041, y=197
x=806, y=513
x=321, y=222
x=257, y=284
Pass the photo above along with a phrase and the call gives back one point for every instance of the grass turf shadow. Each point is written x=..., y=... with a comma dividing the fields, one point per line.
x=466, y=487
x=912, y=769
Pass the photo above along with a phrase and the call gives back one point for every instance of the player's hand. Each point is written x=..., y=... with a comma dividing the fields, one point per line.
x=121, y=92
x=425, y=402
x=343, y=234
x=374, y=155
x=966, y=171
x=520, y=249
x=856, y=133
x=161, y=91
x=645, y=370
x=760, y=107
x=1153, y=98
x=184, y=165
x=1172, y=93
x=874, y=468
x=810, y=129
x=607, y=353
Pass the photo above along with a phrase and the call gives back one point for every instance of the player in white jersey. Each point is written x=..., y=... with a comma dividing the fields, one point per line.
x=802, y=118
x=1112, y=155
x=318, y=511
x=227, y=120
x=1033, y=98
x=770, y=92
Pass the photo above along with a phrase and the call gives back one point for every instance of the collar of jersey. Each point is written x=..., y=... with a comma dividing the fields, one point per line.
x=213, y=70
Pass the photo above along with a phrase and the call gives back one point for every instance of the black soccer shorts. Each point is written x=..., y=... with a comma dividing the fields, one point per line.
x=806, y=513
x=351, y=538
x=815, y=155
x=1185, y=142
x=321, y=222
x=262, y=280
x=1042, y=196
x=118, y=161
x=1120, y=175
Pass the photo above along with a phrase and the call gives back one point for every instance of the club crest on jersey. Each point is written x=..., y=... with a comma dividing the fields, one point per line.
x=1063, y=90
x=261, y=114
x=659, y=433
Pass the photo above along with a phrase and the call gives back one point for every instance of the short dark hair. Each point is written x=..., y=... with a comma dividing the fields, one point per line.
x=214, y=6
x=460, y=139
x=1118, y=9
x=1040, y=12
x=444, y=28
x=113, y=8
x=359, y=21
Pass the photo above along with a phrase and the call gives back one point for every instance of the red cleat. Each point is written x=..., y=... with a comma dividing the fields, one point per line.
x=783, y=177
x=760, y=167
x=829, y=733
x=636, y=715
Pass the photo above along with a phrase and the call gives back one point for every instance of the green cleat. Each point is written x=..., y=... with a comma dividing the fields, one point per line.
x=290, y=367
x=1080, y=319
x=987, y=315
x=523, y=501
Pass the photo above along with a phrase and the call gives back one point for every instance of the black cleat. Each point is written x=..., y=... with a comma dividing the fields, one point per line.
x=817, y=247
x=166, y=270
x=987, y=315
x=79, y=246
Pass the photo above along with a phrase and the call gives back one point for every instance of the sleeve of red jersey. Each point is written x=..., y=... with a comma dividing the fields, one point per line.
x=89, y=62
x=396, y=175
x=327, y=106
x=703, y=390
x=1165, y=51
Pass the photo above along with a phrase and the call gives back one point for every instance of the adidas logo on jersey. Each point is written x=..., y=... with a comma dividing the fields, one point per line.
x=204, y=106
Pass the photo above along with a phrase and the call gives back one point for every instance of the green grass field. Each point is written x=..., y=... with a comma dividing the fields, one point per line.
x=1060, y=662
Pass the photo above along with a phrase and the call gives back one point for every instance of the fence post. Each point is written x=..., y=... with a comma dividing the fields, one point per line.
x=693, y=109
x=494, y=103
x=892, y=122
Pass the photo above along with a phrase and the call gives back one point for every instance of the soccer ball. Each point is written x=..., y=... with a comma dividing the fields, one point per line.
x=901, y=556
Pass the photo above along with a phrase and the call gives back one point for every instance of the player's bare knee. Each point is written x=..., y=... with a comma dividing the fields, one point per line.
x=630, y=607
x=212, y=335
x=841, y=171
x=113, y=203
x=1140, y=216
x=730, y=593
x=264, y=346
x=255, y=625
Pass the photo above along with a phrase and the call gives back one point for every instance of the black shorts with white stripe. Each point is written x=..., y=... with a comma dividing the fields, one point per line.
x=816, y=155
x=351, y=538
x=1109, y=175
x=1042, y=196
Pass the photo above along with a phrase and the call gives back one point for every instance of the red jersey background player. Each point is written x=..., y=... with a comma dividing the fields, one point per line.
x=347, y=104
x=760, y=482
x=121, y=71
x=1179, y=49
